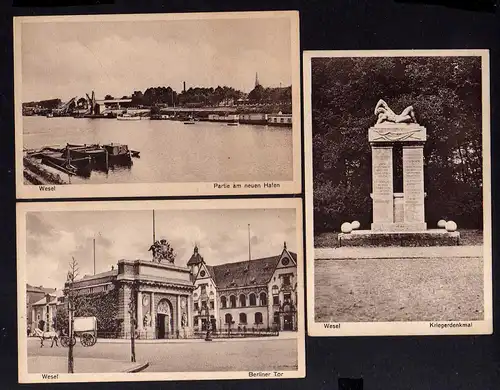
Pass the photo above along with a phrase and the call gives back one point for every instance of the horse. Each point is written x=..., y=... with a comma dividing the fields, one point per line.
x=52, y=335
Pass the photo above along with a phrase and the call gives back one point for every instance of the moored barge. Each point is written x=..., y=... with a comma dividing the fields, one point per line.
x=77, y=159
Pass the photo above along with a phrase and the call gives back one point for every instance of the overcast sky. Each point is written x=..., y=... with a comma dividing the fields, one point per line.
x=67, y=59
x=222, y=236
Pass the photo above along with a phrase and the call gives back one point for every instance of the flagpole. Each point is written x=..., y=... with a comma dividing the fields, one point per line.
x=154, y=233
x=94, y=256
x=249, y=249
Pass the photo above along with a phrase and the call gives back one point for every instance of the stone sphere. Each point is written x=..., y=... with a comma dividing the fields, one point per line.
x=355, y=225
x=346, y=227
x=442, y=223
x=451, y=226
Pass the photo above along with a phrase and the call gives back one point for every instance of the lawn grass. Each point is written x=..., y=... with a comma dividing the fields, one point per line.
x=467, y=237
x=423, y=289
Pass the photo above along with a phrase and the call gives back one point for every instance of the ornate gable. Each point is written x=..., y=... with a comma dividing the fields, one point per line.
x=286, y=259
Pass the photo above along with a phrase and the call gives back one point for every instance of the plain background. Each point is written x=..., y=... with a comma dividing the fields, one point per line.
x=399, y=363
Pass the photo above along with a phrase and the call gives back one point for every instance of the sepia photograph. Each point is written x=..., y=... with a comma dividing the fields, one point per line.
x=398, y=192
x=157, y=104
x=164, y=290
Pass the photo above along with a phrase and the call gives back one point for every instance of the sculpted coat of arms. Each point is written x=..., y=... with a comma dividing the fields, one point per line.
x=162, y=251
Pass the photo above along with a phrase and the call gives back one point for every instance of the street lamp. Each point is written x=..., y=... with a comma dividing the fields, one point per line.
x=206, y=312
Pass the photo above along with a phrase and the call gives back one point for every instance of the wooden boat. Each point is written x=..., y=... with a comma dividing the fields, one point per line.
x=64, y=163
x=118, y=154
x=81, y=159
x=233, y=124
x=128, y=117
x=190, y=121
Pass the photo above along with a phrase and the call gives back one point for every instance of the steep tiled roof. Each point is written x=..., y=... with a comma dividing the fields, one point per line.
x=246, y=273
x=211, y=271
x=39, y=289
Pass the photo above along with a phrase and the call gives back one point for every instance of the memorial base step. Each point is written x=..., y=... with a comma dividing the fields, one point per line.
x=397, y=227
x=435, y=237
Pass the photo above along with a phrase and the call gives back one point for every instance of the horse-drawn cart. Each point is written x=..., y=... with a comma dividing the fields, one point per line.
x=86, y=329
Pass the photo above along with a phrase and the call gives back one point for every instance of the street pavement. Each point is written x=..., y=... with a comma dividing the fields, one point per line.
x=59, y=364
x=278, y=354
x=397, y=252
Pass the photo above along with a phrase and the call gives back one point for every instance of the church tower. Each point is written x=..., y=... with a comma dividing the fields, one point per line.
x=257, y=79
x=195, y=262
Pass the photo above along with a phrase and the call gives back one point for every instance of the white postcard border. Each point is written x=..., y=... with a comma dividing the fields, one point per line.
x=264, y=187
x=422, y=328
x=24, y=207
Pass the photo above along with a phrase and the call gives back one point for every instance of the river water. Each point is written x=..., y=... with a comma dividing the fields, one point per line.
x=172, y=152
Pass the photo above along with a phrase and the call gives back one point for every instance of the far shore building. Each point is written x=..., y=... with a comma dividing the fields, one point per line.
x=171, y=301
x=33, y=295
x=42, y=313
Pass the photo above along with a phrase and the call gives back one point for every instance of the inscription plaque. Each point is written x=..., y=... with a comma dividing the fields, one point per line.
x=413, y=183
x=382, y=184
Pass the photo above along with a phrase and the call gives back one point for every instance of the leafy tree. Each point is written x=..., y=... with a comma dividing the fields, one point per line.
x=108, y=97
x=82, y=102
x=137, y=98
x=446, y=95
x=61, y=320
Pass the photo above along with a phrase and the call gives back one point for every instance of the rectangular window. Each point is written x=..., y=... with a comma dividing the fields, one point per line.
x=286, y=280
x=203, y=288
x=196, y=306
x=276, y=300
x=212, y=304
x=203, y=304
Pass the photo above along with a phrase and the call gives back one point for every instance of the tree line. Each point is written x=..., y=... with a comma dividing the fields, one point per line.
x=446, y=95
x=194, y=96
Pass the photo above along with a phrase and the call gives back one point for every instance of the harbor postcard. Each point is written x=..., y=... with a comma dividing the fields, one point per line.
x=160, y=290
x=157, y=104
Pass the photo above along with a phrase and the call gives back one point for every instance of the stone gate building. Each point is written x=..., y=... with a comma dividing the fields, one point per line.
x=170, y=301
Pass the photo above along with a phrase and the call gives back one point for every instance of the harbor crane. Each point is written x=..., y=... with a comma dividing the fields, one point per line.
x=65, y=108
x=93, y=106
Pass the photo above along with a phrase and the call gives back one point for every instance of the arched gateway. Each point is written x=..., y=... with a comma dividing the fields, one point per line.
x=164, y=319
x=163, y=295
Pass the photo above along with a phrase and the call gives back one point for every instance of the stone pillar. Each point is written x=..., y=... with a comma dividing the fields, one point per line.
x=382, y=186
x=189, y=312
x=282, y=321
x=139, y=310
x=178, y=326
x=44, y=318
x=34, y=322
x=153, y=314
x=49, y=321
x=413, y=187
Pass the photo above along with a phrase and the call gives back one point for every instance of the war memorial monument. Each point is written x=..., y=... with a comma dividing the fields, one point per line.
x=398, y=217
